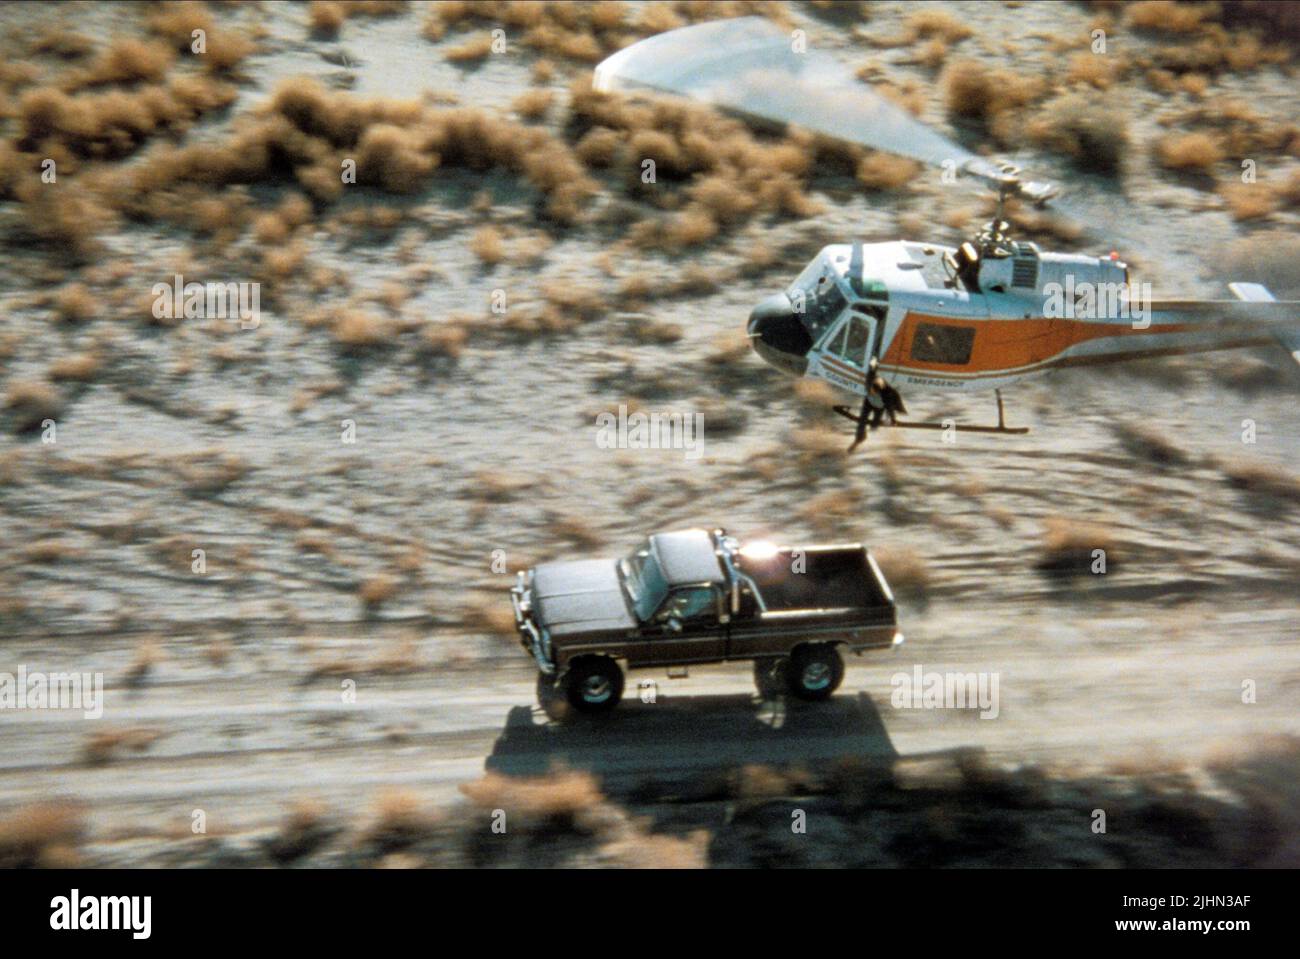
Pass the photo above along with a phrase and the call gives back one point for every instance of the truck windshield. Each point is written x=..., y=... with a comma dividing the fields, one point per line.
x=643, y=580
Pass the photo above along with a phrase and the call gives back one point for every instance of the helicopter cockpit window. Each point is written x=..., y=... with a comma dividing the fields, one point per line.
x=851, y=344
x=821, y=298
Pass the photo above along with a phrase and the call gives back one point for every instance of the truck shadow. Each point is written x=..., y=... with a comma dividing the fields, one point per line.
x=690, y=734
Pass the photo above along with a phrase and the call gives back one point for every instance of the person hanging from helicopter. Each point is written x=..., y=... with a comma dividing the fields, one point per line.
x=881, y=400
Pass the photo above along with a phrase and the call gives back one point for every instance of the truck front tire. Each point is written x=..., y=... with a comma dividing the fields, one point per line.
x=550, y=697
x=814, y=672
x=769, y=677
x=594, y=685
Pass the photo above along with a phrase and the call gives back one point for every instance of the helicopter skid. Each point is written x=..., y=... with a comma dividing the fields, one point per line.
x=946, y=425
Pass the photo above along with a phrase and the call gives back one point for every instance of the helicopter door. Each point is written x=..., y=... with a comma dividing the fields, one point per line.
x=847, y=353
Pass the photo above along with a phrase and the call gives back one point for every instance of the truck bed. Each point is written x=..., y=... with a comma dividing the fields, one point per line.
x=835, y=577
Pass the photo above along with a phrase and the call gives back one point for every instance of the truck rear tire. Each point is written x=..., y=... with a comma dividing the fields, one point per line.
x=815, y=672
x=769, y=677
x=594, y=685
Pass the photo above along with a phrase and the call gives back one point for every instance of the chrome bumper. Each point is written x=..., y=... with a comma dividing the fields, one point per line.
x=535, y=641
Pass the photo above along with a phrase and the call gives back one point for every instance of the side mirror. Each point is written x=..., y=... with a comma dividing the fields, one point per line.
x=674, y=625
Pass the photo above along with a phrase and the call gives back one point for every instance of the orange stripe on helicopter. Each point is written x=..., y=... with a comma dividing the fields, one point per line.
x=1006, y=345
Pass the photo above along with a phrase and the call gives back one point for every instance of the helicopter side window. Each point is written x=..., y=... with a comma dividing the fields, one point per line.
x=938, y=343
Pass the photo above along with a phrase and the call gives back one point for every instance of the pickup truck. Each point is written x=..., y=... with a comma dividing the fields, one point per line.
x=697, y=596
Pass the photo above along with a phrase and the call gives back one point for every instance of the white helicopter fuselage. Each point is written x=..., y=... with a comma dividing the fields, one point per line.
x=970, y=319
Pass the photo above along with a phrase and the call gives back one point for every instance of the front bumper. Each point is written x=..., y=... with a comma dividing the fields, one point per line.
x=535, y=640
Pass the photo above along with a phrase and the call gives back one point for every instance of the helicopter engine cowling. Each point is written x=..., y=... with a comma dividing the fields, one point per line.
x=1027, y=271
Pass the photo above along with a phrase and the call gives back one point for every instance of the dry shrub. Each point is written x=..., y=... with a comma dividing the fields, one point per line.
x=830, y=512
x=1196, y=151
x=476, y=48
x=42, y=835
x=377, y=590
x=1248, y=201
x=1151, y=444
x=533, y=104
x=444, y=339
x=884, y=171
x=30, y=402
x=728, y=348
x=646, y=330
x=576, y=530
x=78, y=368
x=123, y=62
x=107, y=744
x=326, y=17
x=936, y=23
x=113, y=123
x=726, y=173
x=62, y=43
x=931, y=54
x=558, y=800
x=1091, y=133
x=306, y=131
x=599, y=147
x=974, y=92
x=905, y=572
x=392, y=158
x=74, y=303
x=1263, y=480
x=575, y=31
x=488, y=245
x=47, y=551
x=305, y=829
x=1096, y=70
x=1239, y=129
x=1068, y=546
x=491, y=615
x=270, y=229
x=818, y=448
x=1166, y=16
x=399, y=819
x=357, y=330
x=176, y=22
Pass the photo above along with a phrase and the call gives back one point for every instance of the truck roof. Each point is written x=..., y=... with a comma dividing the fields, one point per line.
x=687, y=557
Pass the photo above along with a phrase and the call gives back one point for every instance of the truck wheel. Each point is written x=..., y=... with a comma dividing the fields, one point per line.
x=594, y=685
x=815, y=671
x=769, y=677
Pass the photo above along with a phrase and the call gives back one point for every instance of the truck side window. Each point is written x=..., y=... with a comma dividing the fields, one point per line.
x=693, y=604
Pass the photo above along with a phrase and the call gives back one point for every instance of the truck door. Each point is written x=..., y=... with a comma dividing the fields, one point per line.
x=688, y=627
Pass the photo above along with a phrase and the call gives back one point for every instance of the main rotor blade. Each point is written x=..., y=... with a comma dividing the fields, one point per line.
x=749, y=66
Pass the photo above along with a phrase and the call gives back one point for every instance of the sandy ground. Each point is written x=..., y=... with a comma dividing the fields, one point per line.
x=190, y=439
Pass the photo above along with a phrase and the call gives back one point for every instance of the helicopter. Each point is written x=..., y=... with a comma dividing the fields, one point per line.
x=869, y=318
